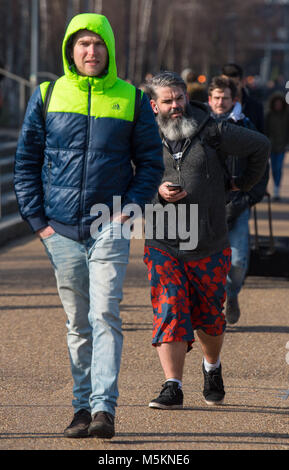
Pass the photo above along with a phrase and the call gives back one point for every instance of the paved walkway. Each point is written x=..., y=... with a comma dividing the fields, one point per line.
x=35, y=382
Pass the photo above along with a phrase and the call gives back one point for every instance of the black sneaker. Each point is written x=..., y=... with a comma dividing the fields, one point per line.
x=170, y=398
x=213, y=392
x=232, y=310
x=102, y=425
x=79, y=425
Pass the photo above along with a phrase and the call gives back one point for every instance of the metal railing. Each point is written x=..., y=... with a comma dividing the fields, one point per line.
x=22, y=84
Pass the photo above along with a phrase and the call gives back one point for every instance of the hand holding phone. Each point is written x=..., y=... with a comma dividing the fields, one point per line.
x=174, y=186
x=172, y=192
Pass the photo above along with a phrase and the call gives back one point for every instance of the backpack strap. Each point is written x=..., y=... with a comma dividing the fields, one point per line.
x=47, y=99
x=212, y=137
x=137, y=104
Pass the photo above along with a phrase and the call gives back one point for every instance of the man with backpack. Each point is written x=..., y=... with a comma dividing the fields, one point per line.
x=225, y=107
x=97, y=141
x=188, y=280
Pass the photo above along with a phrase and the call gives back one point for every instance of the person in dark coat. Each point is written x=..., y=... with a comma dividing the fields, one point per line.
x=251, y=108
x=277, y=130
x=225, y=107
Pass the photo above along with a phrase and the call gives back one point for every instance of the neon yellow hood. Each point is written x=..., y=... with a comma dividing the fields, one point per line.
x=100, y=25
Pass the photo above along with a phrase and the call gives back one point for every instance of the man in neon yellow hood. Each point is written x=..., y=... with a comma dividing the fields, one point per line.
x=70, y=160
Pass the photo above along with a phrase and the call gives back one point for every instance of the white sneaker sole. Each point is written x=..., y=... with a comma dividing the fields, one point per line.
x=214, y=403
x=165, y=407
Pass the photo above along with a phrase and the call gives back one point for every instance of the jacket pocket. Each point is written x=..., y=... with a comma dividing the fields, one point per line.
x=206, y=231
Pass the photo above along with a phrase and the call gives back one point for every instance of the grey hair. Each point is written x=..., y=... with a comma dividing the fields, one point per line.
x=164, y=79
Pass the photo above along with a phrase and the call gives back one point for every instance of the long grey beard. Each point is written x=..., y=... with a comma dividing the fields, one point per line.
x=178, y=128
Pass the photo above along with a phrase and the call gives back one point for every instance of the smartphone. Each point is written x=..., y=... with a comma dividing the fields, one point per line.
x=174, y=186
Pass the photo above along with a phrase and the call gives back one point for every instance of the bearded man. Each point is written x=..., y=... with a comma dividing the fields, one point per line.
x=188, y=282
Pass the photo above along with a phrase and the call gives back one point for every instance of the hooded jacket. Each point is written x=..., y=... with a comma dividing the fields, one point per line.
x=89, y=149
x=201, y=173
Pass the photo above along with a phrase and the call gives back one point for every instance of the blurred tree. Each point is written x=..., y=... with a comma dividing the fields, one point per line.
x=150, y=34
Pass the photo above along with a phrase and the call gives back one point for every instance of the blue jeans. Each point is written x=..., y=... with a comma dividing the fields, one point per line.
x=90, y=277
x=276, y=166
x=239, y=241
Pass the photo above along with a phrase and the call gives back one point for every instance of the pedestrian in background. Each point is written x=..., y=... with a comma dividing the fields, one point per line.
x=251, y=108
x=277, y=130
x=196, y=91
x=225, y=107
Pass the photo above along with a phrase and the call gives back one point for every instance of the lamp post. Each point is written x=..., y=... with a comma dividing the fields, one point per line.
x=282, y=45
x=34, y=44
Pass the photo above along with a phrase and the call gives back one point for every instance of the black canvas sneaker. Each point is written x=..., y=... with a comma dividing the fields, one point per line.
x=170, y=398
x=213, y=392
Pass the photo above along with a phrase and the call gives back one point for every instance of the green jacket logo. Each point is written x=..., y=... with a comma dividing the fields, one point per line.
x=115, y=106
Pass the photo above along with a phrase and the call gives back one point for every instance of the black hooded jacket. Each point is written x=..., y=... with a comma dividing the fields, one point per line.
x=201, y=173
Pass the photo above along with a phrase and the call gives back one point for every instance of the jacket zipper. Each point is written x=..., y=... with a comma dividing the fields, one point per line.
x=234, y=167
x=81, y=231
x=178, y=162
x=49, y=166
